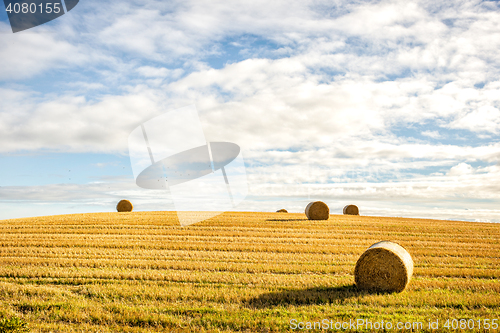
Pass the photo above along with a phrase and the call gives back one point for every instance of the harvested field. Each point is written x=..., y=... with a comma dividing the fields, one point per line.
x=250, y=272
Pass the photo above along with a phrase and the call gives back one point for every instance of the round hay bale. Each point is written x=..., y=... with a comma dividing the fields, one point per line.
x=384, y=266
x=317, y=210
x=282, y=211
x=124, y=206
x=351, y=210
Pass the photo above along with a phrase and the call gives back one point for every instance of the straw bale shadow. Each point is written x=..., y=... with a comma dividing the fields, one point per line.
x=310, y=296
x=282, y=220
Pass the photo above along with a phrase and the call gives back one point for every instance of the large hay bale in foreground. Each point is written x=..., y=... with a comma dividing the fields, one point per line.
x=124, y=206
x=282, y=211
x=385, y=266
x=317, y=210
x=351, y=210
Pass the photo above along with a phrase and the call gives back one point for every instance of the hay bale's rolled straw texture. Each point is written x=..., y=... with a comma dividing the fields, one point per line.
x=385, y=266
x=351, y=210
x=282, y=211
x=317, y=210
x=124, y=206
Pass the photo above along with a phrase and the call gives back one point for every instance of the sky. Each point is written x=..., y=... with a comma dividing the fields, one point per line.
x=390, y=105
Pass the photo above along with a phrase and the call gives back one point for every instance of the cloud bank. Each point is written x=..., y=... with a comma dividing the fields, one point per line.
x=389, y=102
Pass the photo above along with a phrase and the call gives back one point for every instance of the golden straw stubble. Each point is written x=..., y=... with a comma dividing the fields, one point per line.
x=384, y=266
x=124, y=206
x=351, y=210
x=317, y=210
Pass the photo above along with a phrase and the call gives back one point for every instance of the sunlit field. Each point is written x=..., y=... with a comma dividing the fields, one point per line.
x=249, y=272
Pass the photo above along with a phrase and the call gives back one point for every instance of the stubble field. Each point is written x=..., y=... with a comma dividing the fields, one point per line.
x=250, y=272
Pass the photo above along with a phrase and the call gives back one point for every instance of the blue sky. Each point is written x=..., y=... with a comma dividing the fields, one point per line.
x=390, y=105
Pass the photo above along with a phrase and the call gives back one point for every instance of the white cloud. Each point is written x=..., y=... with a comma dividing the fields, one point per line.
x=432, y=134
x=461, y=169
x=163, y=31
x=149, y=71
x=485, y=118
x=24, y=55
x=70, y=123
x=83, y=86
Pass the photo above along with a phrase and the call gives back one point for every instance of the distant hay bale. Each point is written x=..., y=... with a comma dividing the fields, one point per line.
x=317, y=210
x=351, y=210
x=282, y=211
x=384, y=266
x=124, y=206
